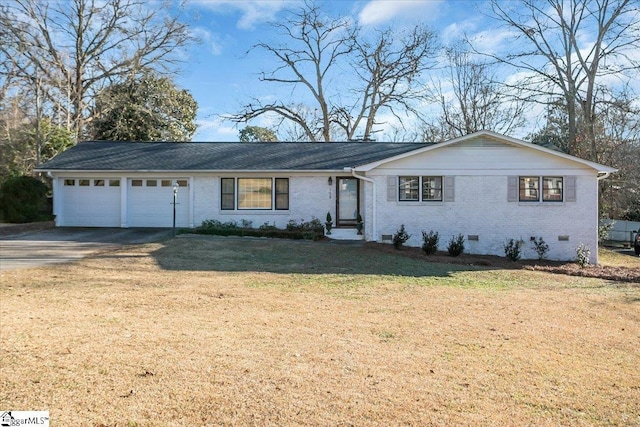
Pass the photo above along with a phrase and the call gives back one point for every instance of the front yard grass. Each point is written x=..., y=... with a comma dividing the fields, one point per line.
x=203, y=330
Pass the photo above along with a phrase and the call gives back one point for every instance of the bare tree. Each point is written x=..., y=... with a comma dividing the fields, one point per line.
x=558, y=61
x=350, y=79
x=472, y=98
x=390, y=72
x=79, y=46
x=310, y=48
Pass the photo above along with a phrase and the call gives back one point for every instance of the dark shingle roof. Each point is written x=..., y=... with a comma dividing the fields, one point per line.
x=211, y=156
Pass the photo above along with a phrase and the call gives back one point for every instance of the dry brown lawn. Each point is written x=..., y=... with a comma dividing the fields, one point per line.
x=206, y=331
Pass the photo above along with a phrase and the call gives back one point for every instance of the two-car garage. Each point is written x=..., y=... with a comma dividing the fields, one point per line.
x=122, y=202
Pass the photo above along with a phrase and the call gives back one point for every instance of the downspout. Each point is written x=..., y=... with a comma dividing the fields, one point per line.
x=374, y=232
x=605, y=176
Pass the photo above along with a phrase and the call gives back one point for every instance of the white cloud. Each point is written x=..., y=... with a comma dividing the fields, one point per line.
x=215, y=130
x=252, y=12
x=456, y=31
x=379, y=11
x=492, y=41
x=213, y=41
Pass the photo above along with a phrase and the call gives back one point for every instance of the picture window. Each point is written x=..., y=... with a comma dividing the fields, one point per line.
x=254, y=193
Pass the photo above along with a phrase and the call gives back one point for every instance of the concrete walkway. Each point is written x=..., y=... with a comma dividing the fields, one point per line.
x=57, y=245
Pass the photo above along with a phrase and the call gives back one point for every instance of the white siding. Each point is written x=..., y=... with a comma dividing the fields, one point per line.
x=471, y=159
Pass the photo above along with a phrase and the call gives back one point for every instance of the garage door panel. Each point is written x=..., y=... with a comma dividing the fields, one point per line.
x=150, y=203
x=90, y=203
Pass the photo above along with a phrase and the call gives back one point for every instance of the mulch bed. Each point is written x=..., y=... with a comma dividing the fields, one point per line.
x=618, y=274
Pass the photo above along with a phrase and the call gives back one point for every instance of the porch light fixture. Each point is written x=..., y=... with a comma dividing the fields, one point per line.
x=330, y=181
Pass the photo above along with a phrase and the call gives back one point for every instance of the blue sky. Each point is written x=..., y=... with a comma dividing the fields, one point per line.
x=222, y=76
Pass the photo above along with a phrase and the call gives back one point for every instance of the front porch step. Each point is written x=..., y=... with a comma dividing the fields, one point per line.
x=345, y=234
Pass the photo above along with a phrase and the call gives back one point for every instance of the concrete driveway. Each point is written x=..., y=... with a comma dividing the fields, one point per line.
x=36, y=248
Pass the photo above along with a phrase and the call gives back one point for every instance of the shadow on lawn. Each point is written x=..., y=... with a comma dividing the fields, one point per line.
x=233, y=254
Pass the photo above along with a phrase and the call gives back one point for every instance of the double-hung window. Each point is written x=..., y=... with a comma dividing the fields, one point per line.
x=254, y=193
x=552, y=189
x=420, y=188
x=409, y=186
x=541, y=189
x=432, y=188
x=227, y=193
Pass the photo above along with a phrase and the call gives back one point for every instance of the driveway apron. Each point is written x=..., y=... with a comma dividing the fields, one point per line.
x=58, y=245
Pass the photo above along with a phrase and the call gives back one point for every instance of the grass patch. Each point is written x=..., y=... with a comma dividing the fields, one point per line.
x=228, y=331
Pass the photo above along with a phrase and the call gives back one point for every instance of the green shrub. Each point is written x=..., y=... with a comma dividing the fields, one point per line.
x=604, y=227
x=430, y=242
x=24, y=199
x=512, y=249
x=456, y=245
x=541, y=247
x=267, y=226
x=400, y=237
x=215, y=224
x=314, y=225
x=311, y=230
x=582, y=255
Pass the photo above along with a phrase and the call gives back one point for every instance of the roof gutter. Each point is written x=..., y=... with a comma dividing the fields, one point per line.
x=374, y=232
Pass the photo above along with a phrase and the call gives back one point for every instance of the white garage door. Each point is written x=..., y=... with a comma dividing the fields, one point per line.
x=90, y=202
x=150, y=202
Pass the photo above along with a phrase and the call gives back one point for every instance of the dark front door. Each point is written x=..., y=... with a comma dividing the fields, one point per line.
x=347, y=201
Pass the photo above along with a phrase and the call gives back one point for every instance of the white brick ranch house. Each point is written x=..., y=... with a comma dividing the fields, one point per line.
x=488, y=187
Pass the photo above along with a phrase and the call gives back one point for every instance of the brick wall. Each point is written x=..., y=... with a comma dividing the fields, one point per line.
x=309, y=197
x=481, y=209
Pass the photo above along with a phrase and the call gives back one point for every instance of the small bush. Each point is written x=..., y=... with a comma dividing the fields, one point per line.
x=311, y=230
x=430, y=242
x=400, y=237
x=24, y=199
x=512, y=250
x=313, y=225
x=604, y=228
x=215, y=224
x=582, y=255
x=456, y=245
x=541, y=247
